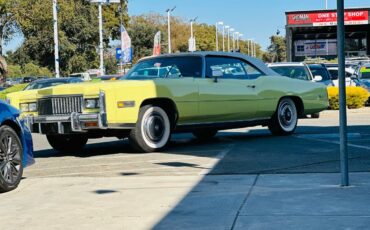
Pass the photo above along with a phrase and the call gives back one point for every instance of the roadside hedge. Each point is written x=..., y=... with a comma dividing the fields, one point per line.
x=356, y=97
x=12, y=89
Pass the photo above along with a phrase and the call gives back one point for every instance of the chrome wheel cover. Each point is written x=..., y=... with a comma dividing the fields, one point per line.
x=287, y=115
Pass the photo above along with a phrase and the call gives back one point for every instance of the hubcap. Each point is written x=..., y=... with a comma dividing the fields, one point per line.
x=287, y=116
x=154, y=127
x=10, y=160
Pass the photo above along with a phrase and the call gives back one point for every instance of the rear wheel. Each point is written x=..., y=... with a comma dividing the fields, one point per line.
x=285, y=119
x=11, y=153
x=205, y=134
x=152, y=131
x=67, y=143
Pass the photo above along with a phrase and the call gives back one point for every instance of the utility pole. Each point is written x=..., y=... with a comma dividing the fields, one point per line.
x=326, y=4
x=56, y=38
x=169, y=27
x=101, y=46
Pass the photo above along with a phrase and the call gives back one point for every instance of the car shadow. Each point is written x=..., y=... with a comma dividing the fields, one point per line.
x=255, y=152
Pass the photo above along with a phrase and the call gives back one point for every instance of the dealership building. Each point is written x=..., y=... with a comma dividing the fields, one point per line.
x=312, y=34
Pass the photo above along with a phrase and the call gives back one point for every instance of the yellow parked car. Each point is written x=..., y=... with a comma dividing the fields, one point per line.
x=200, y=92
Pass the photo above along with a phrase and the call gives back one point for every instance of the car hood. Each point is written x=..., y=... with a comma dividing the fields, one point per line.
x=23, y=95
x=93, y=88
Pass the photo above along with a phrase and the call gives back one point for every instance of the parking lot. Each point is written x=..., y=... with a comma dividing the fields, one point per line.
x=109, y=186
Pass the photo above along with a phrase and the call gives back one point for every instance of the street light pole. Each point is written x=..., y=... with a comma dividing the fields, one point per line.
x=101, y=47
x=169, y=27
x=56, y=38
x=342, y=95
x=217, y=24
x=232, y=31
x=223, y=38
x=225, y=34
x=240, y=35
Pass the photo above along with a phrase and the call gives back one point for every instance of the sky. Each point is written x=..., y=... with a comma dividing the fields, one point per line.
x=257, y=20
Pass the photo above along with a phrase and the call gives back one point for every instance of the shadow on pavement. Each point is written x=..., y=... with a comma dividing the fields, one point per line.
x=310, y=150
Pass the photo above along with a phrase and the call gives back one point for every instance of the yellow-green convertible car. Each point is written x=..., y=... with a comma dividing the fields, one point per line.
x=200, y=92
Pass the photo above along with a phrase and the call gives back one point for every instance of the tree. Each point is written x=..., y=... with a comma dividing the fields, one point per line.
x=276, y=52
x=8, y=24
x=78, y=32
x=142, y=30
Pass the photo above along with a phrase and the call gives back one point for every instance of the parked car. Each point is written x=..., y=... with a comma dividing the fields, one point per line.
x=296, y=70
x=321, y=70
x=21, y=99
x=16, y=150
x=107, y=78
x=349, y=72
x=9, y=82
x=82, y=76
x=364, y=78
x=203, y=95
x=28, y=79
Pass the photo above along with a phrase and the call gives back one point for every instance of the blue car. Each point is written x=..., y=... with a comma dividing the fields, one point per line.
x=16, y=148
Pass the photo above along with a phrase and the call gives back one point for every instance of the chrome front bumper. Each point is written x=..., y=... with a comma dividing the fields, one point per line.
x=62, y=124
x=74, y=122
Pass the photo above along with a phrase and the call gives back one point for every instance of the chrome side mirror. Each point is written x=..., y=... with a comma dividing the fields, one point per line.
x=317, y=78
x=216, y=73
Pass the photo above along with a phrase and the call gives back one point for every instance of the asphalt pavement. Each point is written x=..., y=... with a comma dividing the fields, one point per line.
x=242, y=179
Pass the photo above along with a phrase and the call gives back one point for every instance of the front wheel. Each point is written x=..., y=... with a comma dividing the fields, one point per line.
x=152, y=131
x=11, y=153
x=67, y=143
x=285, y=119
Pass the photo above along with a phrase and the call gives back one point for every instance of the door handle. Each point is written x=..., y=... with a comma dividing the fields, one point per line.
x=251, y=86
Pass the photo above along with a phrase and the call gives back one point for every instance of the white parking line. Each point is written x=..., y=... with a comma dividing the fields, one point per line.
x=332, y=142
x=214, y=162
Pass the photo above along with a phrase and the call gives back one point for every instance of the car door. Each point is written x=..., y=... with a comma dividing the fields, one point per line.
x=229, y=97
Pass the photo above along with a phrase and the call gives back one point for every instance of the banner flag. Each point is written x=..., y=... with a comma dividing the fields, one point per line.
x=157, y=44
x=126, y=49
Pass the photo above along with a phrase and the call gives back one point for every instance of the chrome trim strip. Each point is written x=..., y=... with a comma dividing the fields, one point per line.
x=225, y=122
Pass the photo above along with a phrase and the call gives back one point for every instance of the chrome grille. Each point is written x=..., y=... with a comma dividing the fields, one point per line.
x=60, y=105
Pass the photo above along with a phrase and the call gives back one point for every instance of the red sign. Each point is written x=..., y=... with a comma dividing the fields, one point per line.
x=328, y=18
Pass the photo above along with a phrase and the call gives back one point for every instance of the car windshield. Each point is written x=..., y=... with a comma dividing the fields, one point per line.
x=166, y=67
x=296, y=72
x=320, y=71
x=45, y=84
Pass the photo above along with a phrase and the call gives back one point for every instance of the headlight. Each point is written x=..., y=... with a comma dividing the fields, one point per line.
x=28, y=107
x=32, y=107
x=92, y=103
x=24, y=107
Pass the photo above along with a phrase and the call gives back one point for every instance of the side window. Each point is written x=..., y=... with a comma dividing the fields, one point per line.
x=231, y=68
x=252, y=72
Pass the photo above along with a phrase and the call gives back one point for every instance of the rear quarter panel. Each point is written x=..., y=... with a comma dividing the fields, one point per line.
x=271, y=89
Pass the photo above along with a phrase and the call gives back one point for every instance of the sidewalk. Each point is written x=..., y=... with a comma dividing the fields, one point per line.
x=296, y=201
